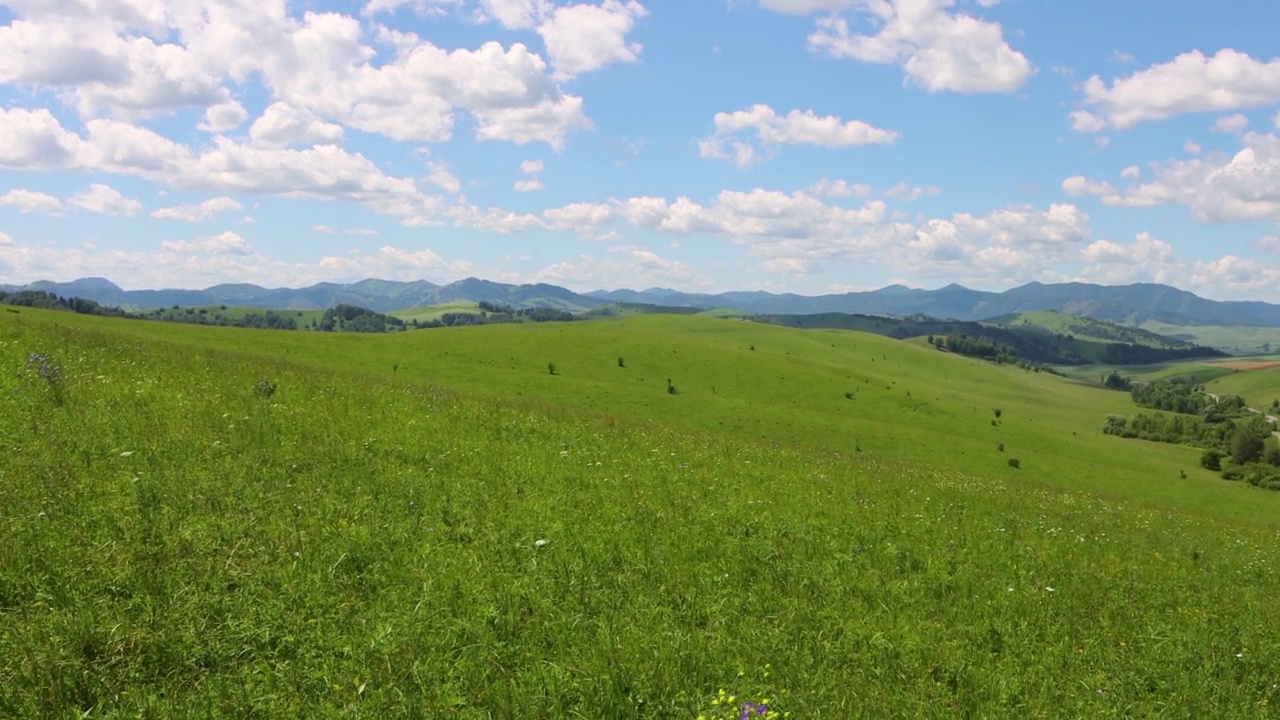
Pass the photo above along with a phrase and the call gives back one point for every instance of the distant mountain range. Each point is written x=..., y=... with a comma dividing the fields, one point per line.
x=1127, y=304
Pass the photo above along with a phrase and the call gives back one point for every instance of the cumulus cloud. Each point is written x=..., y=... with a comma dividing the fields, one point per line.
x=1216, y=188
x=582, y=38
x=198, y=211
x=229, y=166
x=623, y=266
x=839, y=188
x=1230, y=123
x=105, y=200
x=531, y=166
x=795, y=128
x=28, y=201
x=1149, y=259
x=524, y=186
x=159, y=59
x=1191, y=82
x=939, y=49
x=910, y=193
x=224, y=243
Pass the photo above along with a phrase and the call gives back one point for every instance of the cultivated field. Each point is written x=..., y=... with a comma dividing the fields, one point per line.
x=206, y=521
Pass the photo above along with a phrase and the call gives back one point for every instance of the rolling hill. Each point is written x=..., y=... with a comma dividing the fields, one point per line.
x=205, y=521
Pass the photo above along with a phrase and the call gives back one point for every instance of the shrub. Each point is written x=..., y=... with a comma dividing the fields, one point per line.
x=1211, y=460
x=998, y=412
x=551, y=368
x=1015, y=463
x=848, y=396
x=621, y=362
x=1232, y=474
x=1000, y=447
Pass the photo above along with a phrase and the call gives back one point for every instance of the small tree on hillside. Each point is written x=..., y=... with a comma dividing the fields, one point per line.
x=1246, y=446
x=1211, y=460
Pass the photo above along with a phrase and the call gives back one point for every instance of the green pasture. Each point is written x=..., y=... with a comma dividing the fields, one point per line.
x=1240, y=340
x=435, y=312
x=216, y=522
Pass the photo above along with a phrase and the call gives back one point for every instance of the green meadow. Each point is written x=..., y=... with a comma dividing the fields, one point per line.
x=1259, y=387
x=205, y=521
x=1245, y=340
x=435, y=312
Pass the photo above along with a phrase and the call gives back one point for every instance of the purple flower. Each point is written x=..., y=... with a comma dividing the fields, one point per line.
x=752, y=710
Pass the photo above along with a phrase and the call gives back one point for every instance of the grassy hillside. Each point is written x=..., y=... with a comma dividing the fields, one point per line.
x=231, y=312
x=908, y=402
x=1085, y=328
x=1040, y=338
x=217, y=526
x=1260, y=387
x=435, y=312
x=1240, y=340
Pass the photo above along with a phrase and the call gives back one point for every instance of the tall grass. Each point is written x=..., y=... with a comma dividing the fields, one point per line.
x=176, y=542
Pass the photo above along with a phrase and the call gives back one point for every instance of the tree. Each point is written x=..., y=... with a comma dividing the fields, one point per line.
x=1211, y=460
x=1246, y=445
x=1271, y=455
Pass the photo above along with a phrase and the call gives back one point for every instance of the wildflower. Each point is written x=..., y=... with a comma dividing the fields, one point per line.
x=752, y=710
x=126, y=453
x=539, y=543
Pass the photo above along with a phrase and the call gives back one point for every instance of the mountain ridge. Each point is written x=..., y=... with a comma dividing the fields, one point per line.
x=1123, y=304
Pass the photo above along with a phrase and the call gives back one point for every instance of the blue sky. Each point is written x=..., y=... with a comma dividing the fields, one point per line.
x=793, y=145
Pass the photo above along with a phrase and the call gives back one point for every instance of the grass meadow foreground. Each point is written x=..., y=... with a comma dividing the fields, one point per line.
x=189, y=531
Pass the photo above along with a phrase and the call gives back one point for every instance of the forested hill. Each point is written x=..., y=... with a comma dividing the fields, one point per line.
x=1019, y=342
x=1126, y=305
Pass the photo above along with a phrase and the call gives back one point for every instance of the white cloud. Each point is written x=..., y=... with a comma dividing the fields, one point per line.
x=1215, y=188
x=438, y=174
x=839, y=188
x=1230, y=123
x=584, y=219
x=1191, y=148
x=582, y=38
x=6, y=241
x=284, y=124
x=362, y=232
x=105, y=200
x=531, y=166
x=316, y=64
x=224, y=243
x=1149, y=259
x=223, y=117
x=325, y=229
x=939, y=50
x=27, y=201
x=34, y=139
x=320, y=172
x=198, y=211
x=494, y=220
x=515, y=14
x=1269, y=243
x=806, y=7
x=795, y=128
x=624, y=266
x=910, y=193
x=1191, y=82
x=423, y=7
x=1085, y=121
x=524, y=186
